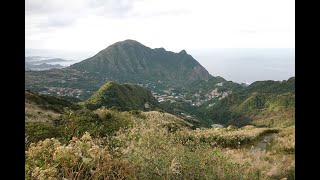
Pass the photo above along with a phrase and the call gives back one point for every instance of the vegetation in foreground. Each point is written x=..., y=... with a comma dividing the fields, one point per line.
x=154, y=145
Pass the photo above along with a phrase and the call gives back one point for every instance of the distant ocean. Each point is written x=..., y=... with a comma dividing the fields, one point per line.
x=71, y=56
x=248, y=65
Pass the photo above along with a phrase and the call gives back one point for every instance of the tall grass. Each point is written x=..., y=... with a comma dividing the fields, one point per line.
x=158, y=146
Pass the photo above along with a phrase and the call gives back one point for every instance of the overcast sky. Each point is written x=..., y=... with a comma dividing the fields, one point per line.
x=92, y=25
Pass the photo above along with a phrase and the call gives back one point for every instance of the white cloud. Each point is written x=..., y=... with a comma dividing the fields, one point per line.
x=174, y=25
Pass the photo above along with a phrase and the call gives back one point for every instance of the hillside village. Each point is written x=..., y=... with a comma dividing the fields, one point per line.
x=195, y=99
x=62, y=91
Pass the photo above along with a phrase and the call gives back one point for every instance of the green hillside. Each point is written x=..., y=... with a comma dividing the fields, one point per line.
x=123, y=97
x=276, y=87
x=45, y=108
x=47, y=102
x=265, y=103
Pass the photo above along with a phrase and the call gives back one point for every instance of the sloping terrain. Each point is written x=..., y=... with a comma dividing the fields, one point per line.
x=44, y=108
x=264, y=103
x=123, y=97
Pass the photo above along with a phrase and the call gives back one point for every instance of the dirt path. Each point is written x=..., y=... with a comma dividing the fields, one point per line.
x=261, y=143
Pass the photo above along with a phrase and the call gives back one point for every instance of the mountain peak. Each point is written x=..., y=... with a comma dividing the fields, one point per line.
x=160, y=49
x=183, y=51
x=131, y=61
x=122, y=44
x=128, y=42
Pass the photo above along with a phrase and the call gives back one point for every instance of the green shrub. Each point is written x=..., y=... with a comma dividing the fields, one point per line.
x=41, y=130
x=172, y=127
x=137, y=113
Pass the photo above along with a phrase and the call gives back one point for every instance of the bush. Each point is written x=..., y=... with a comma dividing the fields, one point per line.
x=231, y=127
x=284, y=142
x=36, y=131
x=82, y=158
x=172, y=127
x=137, y=113
x=75, y=123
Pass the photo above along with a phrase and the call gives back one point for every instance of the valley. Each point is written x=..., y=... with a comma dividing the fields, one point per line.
x=132, y=112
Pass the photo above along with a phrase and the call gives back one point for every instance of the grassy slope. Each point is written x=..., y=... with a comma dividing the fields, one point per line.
x=123, y=97
x=265, y=103
x=44, y=108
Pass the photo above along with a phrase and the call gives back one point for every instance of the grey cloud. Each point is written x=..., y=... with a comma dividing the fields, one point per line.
x=113, y=8
x=60, y=20
x=49, y=21
x=100, y=7
x=57, y=13
x=33, y=7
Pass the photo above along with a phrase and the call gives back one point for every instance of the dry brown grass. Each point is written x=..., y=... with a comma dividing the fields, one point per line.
x=284, y=141
x=149, y=149
x=270, y=165
x=34, y=113
x=223, y=137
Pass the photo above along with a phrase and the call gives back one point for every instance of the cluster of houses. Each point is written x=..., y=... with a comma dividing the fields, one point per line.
x=212, y=94
x=216, y=94
x=61, y=91
x=172, y=97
